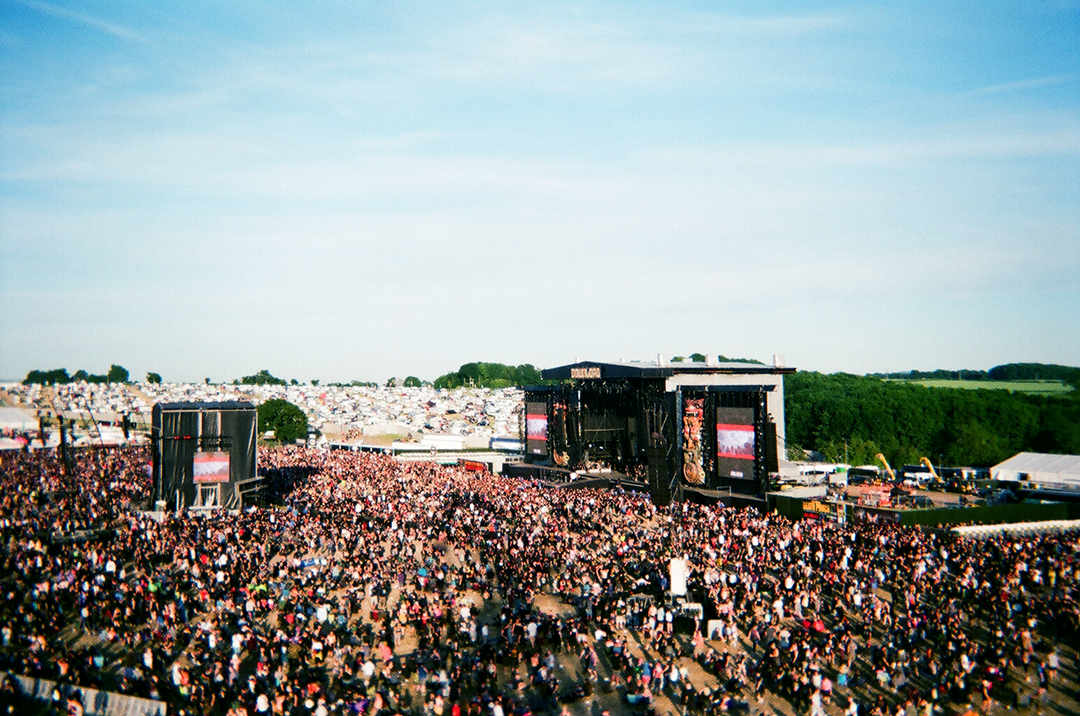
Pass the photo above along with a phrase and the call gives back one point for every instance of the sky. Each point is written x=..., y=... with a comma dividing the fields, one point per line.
x=357, y=190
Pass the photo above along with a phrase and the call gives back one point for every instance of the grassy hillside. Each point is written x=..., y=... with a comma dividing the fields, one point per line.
x=1036, y=387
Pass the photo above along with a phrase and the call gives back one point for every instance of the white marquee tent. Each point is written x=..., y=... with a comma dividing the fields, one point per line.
x=1048, y=472
x=17, y=419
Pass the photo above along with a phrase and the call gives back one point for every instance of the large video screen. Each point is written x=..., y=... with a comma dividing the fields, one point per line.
x=211, y=467
x=536, y=428
x=735, y=443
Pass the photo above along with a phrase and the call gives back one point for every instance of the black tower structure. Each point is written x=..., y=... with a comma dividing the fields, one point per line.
x=203, y=454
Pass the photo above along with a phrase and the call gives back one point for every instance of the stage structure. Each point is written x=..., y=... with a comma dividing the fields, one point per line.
x=714, y=426
x=203, y=454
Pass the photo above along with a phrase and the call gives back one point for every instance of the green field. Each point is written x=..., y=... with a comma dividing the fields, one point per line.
x=1044, y=387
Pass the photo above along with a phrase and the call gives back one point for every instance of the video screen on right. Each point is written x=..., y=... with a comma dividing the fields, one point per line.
x=735, y=443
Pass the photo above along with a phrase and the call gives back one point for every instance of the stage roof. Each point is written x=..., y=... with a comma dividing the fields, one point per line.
x=221, y=405
x=592, y=370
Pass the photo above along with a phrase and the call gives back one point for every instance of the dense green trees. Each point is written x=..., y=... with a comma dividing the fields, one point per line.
x=81, y=376
x=116, y=374
x=263, y=377
x=907, y=421
x=288, y=422
x=1007, y=372
x=153, y=378
x=47, y=377
x=1036, y=371
x=489, y=375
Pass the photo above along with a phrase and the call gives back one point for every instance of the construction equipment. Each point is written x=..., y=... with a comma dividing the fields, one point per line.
x=925, y=462
x=888, y=469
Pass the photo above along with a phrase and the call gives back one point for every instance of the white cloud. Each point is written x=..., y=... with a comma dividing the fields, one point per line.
x=110, y=28
x=766, y=25
x=1022, y=85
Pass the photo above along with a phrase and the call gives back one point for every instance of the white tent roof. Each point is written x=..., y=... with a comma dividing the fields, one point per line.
x=17, y=419
x=1040, y=468
x=10, y=444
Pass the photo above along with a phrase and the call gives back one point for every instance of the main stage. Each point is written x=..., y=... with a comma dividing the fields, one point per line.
x=666, y=425
x=561, y=476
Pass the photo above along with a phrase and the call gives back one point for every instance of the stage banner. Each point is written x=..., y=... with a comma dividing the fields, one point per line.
x=693, y=460
x=211, y=467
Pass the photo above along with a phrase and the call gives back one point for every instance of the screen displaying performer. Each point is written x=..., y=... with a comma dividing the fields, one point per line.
x=536, y=428
x=736, y=446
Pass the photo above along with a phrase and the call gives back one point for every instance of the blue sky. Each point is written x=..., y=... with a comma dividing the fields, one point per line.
x=354, y=190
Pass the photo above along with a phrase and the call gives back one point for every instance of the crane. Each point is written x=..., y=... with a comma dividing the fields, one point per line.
x=888, y=469
x=929, y=466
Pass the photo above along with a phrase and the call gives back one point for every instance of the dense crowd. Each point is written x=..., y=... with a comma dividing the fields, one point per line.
x=377, y=587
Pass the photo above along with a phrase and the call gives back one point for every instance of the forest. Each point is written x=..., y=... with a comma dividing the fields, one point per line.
x=489, y=375
x=56, y=376
x=1008, y=372
x=842, y=415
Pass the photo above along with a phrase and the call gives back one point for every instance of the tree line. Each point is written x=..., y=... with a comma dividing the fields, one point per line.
x=490, y=375
x=1008, y=372
x=842, y=415
x=56, y=376
x=498, y=375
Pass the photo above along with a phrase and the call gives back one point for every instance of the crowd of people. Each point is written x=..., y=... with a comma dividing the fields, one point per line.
x=376, y=587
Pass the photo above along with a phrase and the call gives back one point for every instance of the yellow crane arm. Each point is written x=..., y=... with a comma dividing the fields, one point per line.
x=929, y=466
x=888, y=469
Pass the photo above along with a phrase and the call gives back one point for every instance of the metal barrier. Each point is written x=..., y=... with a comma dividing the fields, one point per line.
x=94, y=702
x=1022, y=529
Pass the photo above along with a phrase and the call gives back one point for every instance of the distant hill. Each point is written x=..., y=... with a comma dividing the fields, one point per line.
x=1036, y=371
x=1001, y=373
x=858, y=416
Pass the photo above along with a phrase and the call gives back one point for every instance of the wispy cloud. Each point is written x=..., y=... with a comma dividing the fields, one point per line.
x=772, y=25
x=1021, y=85
x=84, y=19
x=552, y=52
x=632, y=51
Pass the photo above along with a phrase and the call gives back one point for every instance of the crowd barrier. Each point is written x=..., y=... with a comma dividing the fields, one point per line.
x=94, y=702
x=1022, y=529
